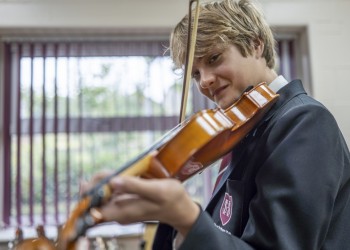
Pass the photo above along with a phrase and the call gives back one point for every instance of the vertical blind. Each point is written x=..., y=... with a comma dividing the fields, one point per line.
x=50, y=127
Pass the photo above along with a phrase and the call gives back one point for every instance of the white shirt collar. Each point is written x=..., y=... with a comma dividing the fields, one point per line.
x=278, y=83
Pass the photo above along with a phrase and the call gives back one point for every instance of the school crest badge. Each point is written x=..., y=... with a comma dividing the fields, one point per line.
x=226, y=209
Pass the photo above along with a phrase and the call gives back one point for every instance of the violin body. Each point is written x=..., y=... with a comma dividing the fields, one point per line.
x=181, y=157
x=40, y=243
x=210, y=134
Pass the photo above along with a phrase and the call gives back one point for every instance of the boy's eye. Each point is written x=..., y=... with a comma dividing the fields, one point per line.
x=213, y=58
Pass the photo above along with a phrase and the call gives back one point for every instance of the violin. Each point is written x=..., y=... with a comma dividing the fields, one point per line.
x=203, y=139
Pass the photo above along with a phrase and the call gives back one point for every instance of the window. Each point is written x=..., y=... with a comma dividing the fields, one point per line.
x=73, y=108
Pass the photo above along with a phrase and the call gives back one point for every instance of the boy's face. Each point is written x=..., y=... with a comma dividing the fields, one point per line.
x=223, y=74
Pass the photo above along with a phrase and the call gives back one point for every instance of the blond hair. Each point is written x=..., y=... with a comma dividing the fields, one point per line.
x=225, y=23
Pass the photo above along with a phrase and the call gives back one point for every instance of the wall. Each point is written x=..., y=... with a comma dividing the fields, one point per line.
x=328, y=25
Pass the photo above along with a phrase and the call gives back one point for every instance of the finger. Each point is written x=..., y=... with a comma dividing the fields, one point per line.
x=96, y=178
x=128, y=209
x=149, y=189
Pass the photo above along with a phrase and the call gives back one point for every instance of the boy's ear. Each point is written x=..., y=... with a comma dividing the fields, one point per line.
x=258, y=48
